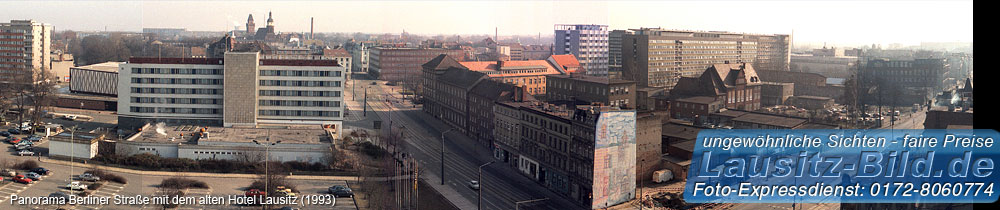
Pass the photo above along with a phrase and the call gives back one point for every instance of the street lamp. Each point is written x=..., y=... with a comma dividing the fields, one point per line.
x=481, y=188
x=517, y=205
x=442, y=154
x=267, y=158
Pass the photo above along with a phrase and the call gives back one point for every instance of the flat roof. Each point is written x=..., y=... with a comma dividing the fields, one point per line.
x=591, y=79
x=190, y=134
x=105, y=67
x=287, y=135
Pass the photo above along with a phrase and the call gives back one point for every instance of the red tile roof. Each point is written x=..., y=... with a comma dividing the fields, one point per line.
x=567, y=61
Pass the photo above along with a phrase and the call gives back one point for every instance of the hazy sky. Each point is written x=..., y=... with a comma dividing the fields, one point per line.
x=836, y=22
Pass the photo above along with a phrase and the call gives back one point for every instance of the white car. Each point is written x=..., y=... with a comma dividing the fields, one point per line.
x=76, y=186
x=474, y=185
x=25, y=152
x=89, y=177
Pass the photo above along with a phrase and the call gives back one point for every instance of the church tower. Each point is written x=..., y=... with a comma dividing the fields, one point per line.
x=251, y=28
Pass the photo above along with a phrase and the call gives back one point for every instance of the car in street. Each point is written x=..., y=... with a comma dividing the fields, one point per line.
x=474, y=184
x=341, y=191
x=89, y=177
x=254, y=192
x=25, y=152
x=70, y=117
x=5, y=133
x=33, y=176
x=41, y=171
x=21, y=179
x=281, y=191
x=76, y=186
x=8, y=172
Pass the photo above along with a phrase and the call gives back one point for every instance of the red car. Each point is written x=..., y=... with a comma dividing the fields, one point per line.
x=22, y=179
x=254, y=192
x=14, y=140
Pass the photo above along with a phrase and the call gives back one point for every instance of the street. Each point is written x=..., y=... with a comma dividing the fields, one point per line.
x=502, y=186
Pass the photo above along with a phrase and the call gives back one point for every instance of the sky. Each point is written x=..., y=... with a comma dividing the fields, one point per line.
x=845, y=23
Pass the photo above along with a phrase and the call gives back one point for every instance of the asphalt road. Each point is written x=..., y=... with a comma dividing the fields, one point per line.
x=502, y=185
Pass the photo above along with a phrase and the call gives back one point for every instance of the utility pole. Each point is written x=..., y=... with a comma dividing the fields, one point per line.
x=442, y=153
x=481, y=184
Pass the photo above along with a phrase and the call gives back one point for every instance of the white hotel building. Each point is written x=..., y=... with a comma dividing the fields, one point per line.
x=243, y=89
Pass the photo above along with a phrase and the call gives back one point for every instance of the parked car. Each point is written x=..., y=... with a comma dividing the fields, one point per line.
x=22, y=147
x=34, y=137
x=474, y=184
x=41, y=171
x=13, y=140
x=281, y=191
x=24, y=142
x=33, y=176
x=14, y=131
x=8, y=172
x=5, y=133
x=341, y=191
x=76, y=186
x=25, y=152
x=89, y=177
x=59, y=194
x=20, y=179
x=255, y=192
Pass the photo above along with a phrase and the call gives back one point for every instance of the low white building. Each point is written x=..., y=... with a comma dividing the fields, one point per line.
x=65, y=145
x=287, y=143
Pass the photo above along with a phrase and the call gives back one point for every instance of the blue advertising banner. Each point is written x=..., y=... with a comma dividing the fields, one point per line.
x=843, y=166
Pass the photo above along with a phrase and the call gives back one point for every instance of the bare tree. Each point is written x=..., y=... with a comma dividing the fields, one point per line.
x=249, y=155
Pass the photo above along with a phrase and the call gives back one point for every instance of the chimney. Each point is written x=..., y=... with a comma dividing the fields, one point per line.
x=311, y=27
x=499, y=64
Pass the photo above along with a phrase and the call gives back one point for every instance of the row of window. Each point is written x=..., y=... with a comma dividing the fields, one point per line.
x=172, y=110
x=199, y=91
x=300, y=73
x=300, y=93
x=217, y=153
x=176, y=71
x=300, y=103
x=299, y=113
x=176, y=100
x=299, y=83
x=176, y=81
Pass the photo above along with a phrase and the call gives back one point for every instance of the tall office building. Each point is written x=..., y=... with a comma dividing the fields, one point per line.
x=657, y=57
x=241, y=89
x=615, y=53
x=589, y=43
x=24, y=44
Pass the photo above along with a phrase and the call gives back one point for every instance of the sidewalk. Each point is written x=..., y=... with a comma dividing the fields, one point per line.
x=190, y=174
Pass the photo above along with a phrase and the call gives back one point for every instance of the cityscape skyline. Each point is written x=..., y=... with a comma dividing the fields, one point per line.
x=882, y=22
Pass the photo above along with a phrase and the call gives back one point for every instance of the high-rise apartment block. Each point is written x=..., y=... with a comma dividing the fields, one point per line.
x=242, y=89
x=24, y=44
x=657, y=57
x=589, y=43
